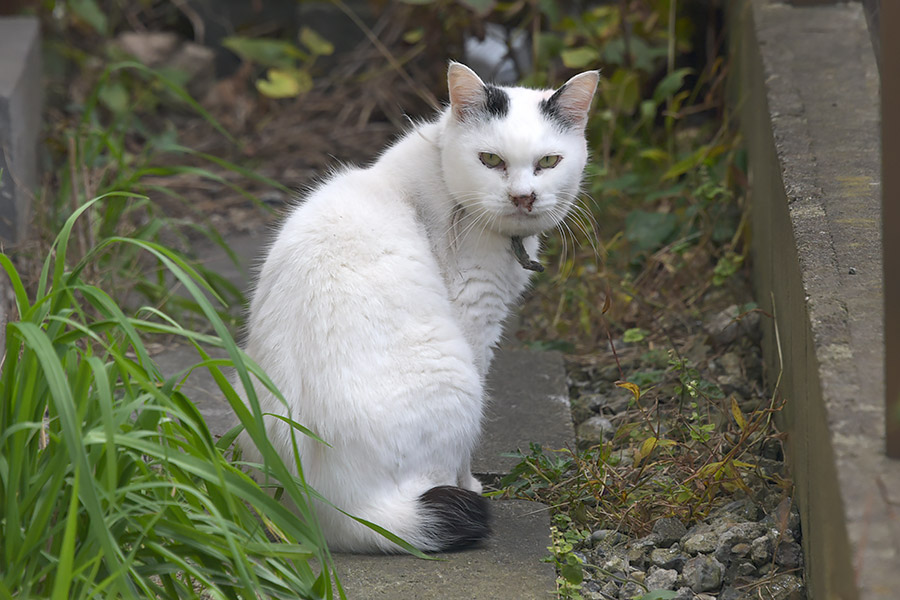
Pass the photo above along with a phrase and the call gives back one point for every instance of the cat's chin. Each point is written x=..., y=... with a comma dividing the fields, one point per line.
x=523, y=225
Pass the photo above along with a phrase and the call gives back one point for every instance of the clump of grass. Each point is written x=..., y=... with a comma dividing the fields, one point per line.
x=111, y=484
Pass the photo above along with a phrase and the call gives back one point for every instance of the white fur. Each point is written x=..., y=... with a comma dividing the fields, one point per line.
x=381, y=299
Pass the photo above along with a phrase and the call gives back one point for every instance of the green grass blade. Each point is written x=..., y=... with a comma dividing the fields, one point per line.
x=63, y=576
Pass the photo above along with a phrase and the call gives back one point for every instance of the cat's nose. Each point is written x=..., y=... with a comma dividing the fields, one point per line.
x=525, y=202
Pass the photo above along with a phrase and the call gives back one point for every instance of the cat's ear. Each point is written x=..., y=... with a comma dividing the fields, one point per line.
x=571, y=103
x=467, y=91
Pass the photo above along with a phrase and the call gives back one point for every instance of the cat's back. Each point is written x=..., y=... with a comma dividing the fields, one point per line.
x=353, y=251
x=348, y=218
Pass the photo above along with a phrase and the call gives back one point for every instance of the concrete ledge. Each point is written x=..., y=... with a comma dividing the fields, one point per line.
x=806, y=90
x=21, y=91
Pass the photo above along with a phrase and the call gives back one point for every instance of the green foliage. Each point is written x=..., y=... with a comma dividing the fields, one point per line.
x=288, y=66
x=690, y=383
x=633, y=335
x=89, y=12
x=660, y=182
x=111, y=484
x=570, y=567
x=116, y=145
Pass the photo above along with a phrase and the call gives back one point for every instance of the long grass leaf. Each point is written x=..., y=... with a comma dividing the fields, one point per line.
x=63, y=576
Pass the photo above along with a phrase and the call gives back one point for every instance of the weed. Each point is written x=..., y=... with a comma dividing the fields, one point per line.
x=569, y=565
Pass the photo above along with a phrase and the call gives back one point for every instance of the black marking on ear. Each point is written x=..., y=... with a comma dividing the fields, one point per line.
x=551, y=109
x=496, y=101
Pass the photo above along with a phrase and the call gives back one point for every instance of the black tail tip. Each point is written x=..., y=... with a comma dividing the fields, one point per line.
x=455, y=518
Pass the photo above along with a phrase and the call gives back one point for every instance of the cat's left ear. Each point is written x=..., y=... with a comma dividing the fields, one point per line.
x=571, y=103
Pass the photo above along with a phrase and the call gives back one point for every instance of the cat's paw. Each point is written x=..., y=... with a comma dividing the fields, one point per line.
x=469, y=482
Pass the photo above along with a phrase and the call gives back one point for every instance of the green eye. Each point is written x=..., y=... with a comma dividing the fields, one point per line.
x=490, y=160
x=549, y=161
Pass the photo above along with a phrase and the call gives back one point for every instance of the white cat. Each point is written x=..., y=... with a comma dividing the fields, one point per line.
x=382, y=296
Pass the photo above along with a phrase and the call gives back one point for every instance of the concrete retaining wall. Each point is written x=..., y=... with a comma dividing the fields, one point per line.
x=806, y=92
x=20, y=122
x=21, y=93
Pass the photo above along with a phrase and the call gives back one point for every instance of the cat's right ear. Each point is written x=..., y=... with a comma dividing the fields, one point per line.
x=467, y=91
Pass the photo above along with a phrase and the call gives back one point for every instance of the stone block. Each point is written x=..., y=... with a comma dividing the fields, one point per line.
x=20, y=122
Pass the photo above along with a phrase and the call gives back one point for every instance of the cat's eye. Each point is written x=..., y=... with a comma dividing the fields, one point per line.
x=491, y=160
x=549, y=161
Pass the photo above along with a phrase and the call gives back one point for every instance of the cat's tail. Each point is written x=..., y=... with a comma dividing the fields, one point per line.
x=454, y=518
x=442, y=518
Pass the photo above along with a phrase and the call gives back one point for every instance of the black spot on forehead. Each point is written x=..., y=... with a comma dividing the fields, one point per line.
x=496, y=101
x=551, y=109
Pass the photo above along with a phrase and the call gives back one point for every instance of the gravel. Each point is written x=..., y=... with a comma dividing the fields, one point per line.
x=748, y=546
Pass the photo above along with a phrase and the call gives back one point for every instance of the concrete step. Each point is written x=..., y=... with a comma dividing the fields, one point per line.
x=528, y=403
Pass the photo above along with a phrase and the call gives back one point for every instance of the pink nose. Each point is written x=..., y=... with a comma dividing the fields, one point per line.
x=524, y=202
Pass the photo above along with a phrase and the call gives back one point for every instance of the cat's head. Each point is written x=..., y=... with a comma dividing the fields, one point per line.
x=513, y=157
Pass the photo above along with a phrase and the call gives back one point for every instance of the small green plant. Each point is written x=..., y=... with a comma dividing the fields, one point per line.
x=569, y=565
x=690, y=383
x=111, y=485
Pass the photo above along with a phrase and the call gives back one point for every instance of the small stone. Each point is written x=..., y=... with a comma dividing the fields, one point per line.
x=740, y=533
x=789, y=555
x=684, y=593
x=730, y=593
x=630, y=590
x=761, y=550
x=669, y=531
x=772, y=449
x=740, y=550
x=595, y=430
x=668, y=558
x=610, y=589
x=151, y=48
x=592, y=589
x=700, y=543
x=728, y=325
x=794, y=521
x=607, y=537
x=581, y=409
x=733, y=379
x=703, y=573
x=783, y=587
x=615, y=563
x=739, y=573
x=614, y=402
x=661, y=579
x=740, y=510
x=639, y=550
